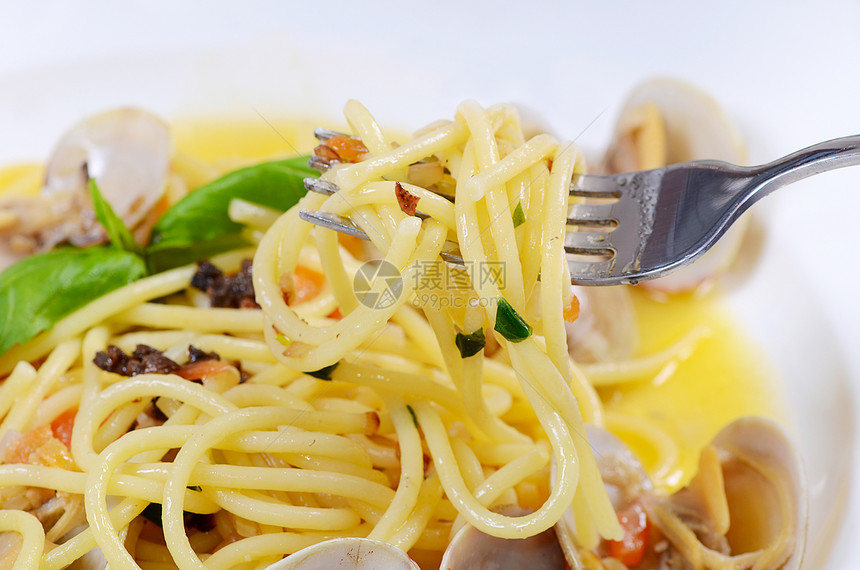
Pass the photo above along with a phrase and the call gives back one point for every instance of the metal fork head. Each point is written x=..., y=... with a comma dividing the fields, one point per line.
x=602, y=249
x=595, y=239
x=642, y=225
x=609, y=231
x=666, y=218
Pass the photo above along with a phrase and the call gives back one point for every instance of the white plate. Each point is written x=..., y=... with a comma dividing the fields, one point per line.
x=574, y=65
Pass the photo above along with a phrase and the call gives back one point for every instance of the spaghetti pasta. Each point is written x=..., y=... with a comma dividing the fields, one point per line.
x=353, y=413
x=545, y=372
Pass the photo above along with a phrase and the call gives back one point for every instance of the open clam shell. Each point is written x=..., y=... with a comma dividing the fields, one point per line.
x=665, y=121
x=347, y=554
x=693, y=123
x=471, y=549
x=765, y=491
x=745, y=508
x=126, y=150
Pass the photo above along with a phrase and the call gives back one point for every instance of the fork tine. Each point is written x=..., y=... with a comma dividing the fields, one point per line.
x=592, y=215
x=451, y=258
x=332, y=222
x=320, y=186
x=327, y=188
x=450, y=253
x=588, y=243
x=318, y=163
x=595, y=186
x=584, y=272
x=323, y=135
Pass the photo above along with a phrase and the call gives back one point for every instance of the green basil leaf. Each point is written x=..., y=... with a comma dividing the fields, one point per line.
x=175, y=254
x=470, y=344
x=323, y=373
x=510, y=324
x=39, y=290
x=411, y=411
x=119, y=235
x=198, y=226
x=152, y=513
x=518, y=215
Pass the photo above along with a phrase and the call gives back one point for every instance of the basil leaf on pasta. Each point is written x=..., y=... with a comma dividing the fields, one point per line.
x=470, y=344
x=518, y=216
x=39, y=290
x=152, y=513
x=510, y=324
x=198, y=226
x=323, y=373
x=411, y=411
x=119, y=235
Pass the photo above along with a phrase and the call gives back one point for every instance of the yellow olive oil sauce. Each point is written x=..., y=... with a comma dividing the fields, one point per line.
x=725, y=376
x=23, y=179
x=223, y=140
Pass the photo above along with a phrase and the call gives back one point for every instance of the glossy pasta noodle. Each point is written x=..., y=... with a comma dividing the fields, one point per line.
x=410, y=245
x=359, y=411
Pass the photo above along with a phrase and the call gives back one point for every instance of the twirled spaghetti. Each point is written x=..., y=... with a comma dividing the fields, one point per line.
x=488, y=188
x=353, y=412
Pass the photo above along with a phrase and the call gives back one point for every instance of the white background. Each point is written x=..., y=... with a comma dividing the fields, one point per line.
x=788, y=72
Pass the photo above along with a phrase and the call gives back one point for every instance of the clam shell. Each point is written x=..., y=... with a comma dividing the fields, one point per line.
x=750, y=446
x=471, y=549
x=126, y=150
x=760, y=506
x=691, y=126
x=347, y=554
x=696, y=127
x=749, y=496
x=623, y=475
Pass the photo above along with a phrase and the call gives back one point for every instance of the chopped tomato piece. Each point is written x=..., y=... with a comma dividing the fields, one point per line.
x=347, y=148
x=203, y=369
x=406, y=199
x=571, y=313
x=39, y=447
x=215, y=375
x=20, y=450
x=631, y=548
x=308, y=284
x=62, y=426
x=336, y=314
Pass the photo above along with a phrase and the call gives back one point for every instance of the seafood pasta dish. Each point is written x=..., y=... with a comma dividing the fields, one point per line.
x=192, y=375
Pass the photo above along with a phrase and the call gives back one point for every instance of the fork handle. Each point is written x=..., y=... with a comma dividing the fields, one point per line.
x=818, y=158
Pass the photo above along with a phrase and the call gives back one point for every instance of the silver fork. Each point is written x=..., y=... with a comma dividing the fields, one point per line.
x=642, y=225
